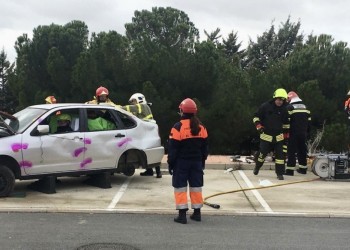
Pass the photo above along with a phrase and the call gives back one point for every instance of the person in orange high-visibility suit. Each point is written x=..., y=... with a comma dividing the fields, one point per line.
x=187, y=152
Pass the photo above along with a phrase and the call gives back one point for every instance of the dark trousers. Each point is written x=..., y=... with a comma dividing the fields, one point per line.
x=265, y=148
x=297, y=145
x=187, y=171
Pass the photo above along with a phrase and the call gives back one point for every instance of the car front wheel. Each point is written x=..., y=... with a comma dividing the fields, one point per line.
x=129, y=170
x=7, y=181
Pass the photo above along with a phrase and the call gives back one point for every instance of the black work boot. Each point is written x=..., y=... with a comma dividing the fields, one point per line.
x=301, y=170
x=196, y=215
x=289, y=172
x=256, y=170
x=280, y=177
x=181, y=218
x=159, y=174
x=148, y=172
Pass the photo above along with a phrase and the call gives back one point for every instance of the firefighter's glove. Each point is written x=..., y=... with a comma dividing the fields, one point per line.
x=170, y=169
x=260, y=128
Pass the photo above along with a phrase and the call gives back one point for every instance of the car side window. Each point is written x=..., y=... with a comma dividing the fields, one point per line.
x=127, y=121
x=100, y=120
x=63, y=121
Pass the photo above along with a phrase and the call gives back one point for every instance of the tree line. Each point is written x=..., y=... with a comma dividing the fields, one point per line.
x=161, y=56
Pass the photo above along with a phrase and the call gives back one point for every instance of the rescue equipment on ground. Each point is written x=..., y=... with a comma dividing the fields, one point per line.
x=331, y=167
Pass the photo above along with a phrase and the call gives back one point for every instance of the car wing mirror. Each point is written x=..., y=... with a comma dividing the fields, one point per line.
x=43, y=129
x=40, y=130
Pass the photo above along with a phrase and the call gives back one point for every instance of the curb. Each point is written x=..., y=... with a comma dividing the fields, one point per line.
x=173, y=211
x=234, y=165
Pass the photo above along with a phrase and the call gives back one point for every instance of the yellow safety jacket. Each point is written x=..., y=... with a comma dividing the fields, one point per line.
x=142, y=111
x=108, y=101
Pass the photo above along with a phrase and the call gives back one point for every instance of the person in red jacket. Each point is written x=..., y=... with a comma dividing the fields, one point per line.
x=187, y=152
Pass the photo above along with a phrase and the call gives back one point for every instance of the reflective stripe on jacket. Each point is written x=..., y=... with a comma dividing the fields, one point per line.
x=142, y=111
x=274, y=119
x=184, y=145
x=300, y=118
x=108, y=101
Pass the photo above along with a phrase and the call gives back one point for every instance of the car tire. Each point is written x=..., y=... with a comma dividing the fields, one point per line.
x=129, y=170
x=7, y=181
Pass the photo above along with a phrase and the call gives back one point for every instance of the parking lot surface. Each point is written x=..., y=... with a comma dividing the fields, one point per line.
x=232, y=185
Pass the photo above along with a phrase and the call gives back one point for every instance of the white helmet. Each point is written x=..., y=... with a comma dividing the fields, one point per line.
x=140, y=98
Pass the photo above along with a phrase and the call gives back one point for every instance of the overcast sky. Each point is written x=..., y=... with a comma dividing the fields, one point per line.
x=249, y=18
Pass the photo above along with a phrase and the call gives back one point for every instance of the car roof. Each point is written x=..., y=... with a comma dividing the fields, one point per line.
x=78, y=105
x=59, y=105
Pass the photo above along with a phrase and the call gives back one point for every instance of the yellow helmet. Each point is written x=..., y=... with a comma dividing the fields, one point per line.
x=64, y=117
x=280, y=93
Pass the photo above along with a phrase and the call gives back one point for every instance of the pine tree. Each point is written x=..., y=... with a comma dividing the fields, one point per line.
x=6, y=98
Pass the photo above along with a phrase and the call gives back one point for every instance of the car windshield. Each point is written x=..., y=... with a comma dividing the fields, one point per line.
x=25, y=118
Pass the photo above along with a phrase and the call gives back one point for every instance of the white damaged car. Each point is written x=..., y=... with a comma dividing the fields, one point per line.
x=93, y=140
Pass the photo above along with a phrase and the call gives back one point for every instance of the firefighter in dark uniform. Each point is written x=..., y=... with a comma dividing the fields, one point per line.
x=300, y=122
x=187, y=152
x=272, y=122
x=140, y=108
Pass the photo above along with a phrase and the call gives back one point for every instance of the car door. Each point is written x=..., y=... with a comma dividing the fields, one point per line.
x=54, y=152
x=105, y=139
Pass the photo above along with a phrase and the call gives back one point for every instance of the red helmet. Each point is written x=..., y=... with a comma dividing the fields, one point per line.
x=50, y=99
x=188, y=106
x=292, y=95
x=101, y=91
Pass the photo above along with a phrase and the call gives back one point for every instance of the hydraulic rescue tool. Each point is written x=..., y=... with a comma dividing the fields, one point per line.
x=332, y=166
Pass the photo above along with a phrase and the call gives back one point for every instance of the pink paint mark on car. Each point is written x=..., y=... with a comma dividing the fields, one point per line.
x=85, y=162
x=78, y=151
x=122, y=142
x=16, y=147
x=25, y=164
x=87, y=141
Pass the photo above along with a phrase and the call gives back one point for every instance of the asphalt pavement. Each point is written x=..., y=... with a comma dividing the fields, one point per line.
x=86, y=231
x=230, y=184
